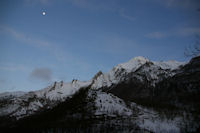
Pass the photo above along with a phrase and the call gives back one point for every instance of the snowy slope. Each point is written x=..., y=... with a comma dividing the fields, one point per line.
x=29, y=103
x=109, y=104
x=7, y=95
x=59, y=91
x=169, y=64
x=149, y=120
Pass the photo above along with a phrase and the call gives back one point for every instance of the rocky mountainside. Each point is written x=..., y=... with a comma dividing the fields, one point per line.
x=137, y=96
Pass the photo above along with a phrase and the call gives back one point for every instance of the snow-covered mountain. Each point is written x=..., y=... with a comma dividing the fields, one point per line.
x=23, y=104
x=153, y=70
x=124, y=97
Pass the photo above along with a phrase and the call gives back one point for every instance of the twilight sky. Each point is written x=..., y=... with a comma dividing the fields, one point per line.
x=77, y=38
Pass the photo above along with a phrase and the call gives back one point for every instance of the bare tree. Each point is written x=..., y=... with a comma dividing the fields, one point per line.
x=193, y=50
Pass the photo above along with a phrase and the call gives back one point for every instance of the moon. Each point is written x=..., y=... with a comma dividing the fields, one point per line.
x=43, y=13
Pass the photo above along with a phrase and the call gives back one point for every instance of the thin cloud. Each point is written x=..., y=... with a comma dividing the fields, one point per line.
x=95, y=4
x=37, y=43
x=181, y=32
x=126, y=16
x=42, y=2
x=190, y=4
x=117, y=45
x=12, y=67
x=83, y=4
x=188, y=31
x=156, y=35
x=24, y=38
x=42, y=74
x=53, y=48
x=2, y=81
x=111, y=5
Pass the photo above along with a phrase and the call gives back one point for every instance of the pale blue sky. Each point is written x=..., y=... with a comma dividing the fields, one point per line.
x=77, y=38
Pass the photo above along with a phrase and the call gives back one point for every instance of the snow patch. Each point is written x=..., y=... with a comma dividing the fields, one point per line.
x=60, y=90
x=111, y=105
x=172, y=65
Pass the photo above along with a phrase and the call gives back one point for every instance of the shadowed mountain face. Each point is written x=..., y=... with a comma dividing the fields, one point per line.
x=182, y=89
x=137, y=96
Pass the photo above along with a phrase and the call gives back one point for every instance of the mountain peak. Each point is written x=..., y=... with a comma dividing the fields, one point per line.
x=134, y=63
x=139, y=58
